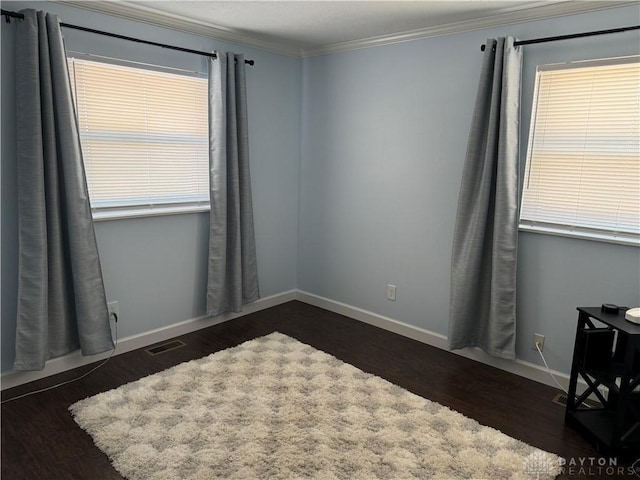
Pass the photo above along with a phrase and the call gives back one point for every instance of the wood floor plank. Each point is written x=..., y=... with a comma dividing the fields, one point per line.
x=40, y=440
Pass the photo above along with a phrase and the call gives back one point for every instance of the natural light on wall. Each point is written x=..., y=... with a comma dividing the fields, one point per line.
x=144, y=135
x=583, y=163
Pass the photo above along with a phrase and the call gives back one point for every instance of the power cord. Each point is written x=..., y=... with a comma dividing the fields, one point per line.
x=553, y=376
x=548, y=369
x=84, y=375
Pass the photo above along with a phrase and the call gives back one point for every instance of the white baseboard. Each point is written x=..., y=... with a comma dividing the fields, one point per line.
x=73, y=360
x=519, y=367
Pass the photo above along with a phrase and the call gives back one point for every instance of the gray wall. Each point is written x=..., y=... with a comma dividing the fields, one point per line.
x=156, y=267
x=383, y=143
x=363, y=194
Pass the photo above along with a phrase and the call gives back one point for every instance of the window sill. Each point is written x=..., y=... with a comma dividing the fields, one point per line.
x=620, y=239
x=106, y=215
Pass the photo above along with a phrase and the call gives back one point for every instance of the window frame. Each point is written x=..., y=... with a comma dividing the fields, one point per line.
x=170, y=204
x=559, y=229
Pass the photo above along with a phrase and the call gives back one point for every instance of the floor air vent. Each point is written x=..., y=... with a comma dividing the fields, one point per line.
x=165, y=347
x=561, y=399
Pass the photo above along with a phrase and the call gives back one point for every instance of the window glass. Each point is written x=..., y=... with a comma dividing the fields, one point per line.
x=144, y=135
x=582, y=175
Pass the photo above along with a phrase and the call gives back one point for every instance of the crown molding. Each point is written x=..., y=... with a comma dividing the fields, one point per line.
x=179, y=23
x=538, y=11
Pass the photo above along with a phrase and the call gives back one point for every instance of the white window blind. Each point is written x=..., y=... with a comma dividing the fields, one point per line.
x=583, y=163
x=144, y=136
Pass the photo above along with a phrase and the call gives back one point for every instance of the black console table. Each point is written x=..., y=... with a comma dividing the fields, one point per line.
x=606, y=355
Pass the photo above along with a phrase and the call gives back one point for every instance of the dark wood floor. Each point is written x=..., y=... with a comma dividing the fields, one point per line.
x=40, y=440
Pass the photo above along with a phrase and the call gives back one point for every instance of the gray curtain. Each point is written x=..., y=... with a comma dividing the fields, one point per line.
x=232, y=269
x=483, y=263
x=61, y=298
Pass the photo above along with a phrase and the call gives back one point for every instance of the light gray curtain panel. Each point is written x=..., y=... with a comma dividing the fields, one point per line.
x=483, y=263
x=61, y=297
x=232, y=267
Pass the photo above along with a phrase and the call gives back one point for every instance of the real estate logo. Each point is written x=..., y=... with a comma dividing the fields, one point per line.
x=540, y=464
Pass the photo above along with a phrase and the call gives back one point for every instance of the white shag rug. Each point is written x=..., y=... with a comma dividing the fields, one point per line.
x=275, y=408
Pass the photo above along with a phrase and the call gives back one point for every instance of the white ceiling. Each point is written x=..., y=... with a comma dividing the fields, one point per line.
x=314, y=24
x=315, y=27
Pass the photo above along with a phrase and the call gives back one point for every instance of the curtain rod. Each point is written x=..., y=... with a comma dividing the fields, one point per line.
x=570, y=36
x=7, y=14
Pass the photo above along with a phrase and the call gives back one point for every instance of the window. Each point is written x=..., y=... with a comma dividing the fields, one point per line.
x=583, y=163
x=144, y=135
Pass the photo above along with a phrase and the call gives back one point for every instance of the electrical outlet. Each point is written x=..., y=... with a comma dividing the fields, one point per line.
x=391, y=292
x=114, y=310
x=539, y=339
